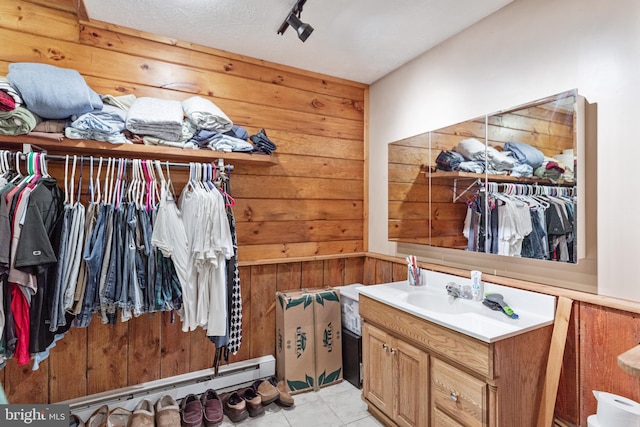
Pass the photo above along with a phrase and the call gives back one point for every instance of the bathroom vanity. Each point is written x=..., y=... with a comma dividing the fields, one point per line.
x=430, y=359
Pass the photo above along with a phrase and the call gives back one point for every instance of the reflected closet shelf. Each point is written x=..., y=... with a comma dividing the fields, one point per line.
x=105, y=149
x=446, y=176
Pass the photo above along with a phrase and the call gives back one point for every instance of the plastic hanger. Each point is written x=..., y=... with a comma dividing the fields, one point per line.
x=80, y=180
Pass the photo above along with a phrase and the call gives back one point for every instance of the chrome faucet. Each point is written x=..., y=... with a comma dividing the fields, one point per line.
x=457, y=291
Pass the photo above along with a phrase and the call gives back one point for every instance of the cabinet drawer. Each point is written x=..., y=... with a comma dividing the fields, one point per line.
x=440, y=419
x=458, y=394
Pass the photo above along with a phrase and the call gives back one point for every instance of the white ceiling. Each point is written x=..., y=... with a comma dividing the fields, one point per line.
x=359, y=40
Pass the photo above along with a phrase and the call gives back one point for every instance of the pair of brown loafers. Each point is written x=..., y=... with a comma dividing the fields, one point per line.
x=206, y=409
x=242, y=403
x=273, y=390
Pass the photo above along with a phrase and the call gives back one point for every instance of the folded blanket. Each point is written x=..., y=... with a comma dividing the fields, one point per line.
x=121, y=101
x=156, y=117
x=472, y=149
x=18, y=122
x=53, y=126
x=52, y=92
x=222, y=142
x=524, y=153
x=114, y=138
x=108, y=120
x=188, y=130
x=206, y=115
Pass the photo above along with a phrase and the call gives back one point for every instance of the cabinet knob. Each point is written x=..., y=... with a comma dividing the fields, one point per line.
x=454, y=396
x=384, y=346
x=392, y=351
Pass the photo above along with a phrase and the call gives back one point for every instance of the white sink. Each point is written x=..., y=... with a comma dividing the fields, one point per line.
x=438, y=302
x=431, y=302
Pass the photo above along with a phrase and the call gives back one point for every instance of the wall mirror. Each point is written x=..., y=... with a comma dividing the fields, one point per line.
x=504, y=183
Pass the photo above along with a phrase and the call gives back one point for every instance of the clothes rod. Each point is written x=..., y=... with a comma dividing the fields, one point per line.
x=55, y=157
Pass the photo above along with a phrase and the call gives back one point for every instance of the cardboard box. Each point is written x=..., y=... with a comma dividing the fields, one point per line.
x=309, y=338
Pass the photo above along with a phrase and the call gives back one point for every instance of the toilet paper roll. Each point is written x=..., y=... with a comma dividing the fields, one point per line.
x=615, y=411
x=592, y=421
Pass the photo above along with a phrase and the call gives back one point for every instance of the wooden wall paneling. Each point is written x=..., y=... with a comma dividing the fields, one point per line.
x=353, y=270
x=569, y=387
x=408, y=210
x=257, y=210
x=307, y=144
x=202, y=350
x=312, y=274
x=248, y=253
x=289, y=276
x=333, y=272
x=244, y=352
x=23, y=385
x=135, y=42
x=263, y=313
x=151, y=72
x=410, y=192
x=66, y=5
x=255, y=233
x=175, y=346
x=383, y=271
x=68, y=366
x=144, y=355
x=398, y=272
x=369, y=273
x=298, y=188
x=107, y=348
x=604, y=334
x=31, y=18
x=318, y=167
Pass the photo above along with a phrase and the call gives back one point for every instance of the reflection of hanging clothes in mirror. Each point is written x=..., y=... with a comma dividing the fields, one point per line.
x=523, y=221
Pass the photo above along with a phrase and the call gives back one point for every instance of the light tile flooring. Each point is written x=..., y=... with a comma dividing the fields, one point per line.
x=339, y=405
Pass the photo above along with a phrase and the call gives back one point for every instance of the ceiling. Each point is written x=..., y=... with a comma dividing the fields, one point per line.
x=359, y=40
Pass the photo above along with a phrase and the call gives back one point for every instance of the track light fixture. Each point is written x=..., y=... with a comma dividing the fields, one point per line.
x=293, y=19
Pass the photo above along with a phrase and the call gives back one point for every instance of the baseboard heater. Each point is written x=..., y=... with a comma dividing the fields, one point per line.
x=232, y=376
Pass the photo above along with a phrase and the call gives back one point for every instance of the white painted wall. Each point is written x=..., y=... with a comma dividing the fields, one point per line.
x=528, y=50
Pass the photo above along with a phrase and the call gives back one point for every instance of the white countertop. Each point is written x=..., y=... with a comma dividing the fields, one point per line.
x=471, y=318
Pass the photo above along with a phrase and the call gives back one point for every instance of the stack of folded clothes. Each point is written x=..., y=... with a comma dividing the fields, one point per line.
x=53, y=102
x=516, y=159
x=160, y=118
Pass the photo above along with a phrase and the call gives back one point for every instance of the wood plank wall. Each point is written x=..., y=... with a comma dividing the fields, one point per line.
x=308, y=208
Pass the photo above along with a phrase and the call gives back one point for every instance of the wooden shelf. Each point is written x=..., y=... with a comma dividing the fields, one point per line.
x=459, y=175
x=135, y=151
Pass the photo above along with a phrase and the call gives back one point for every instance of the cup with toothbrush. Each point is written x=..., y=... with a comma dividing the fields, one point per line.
x=413, y=271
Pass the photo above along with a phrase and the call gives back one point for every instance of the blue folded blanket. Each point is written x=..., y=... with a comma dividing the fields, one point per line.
x=52, y=92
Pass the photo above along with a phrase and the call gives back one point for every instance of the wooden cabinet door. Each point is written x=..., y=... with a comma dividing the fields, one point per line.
x=377, y=363
x=411, y=375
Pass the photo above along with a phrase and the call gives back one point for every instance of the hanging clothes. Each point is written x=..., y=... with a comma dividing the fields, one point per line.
x=539, y=226
x=130, y=250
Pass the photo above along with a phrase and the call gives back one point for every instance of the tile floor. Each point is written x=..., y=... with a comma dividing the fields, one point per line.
x=339, y=405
